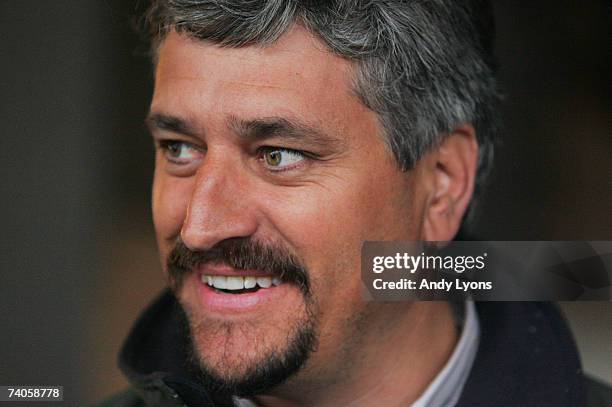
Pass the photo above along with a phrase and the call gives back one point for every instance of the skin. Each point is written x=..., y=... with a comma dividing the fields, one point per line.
x=321, y=207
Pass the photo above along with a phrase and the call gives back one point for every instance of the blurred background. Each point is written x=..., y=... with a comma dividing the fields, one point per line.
x=78, y=258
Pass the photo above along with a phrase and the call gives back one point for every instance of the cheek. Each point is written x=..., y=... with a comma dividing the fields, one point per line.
x=171, y=196
x=327, y=226
x=337, y=220
x=324, y=227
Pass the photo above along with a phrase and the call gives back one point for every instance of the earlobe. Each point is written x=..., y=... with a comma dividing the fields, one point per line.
x=453, y=172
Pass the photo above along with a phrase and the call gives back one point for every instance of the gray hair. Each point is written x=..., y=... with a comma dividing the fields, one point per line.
x=424, y=66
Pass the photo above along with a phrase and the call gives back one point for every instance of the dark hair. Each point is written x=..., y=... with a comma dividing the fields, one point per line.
x=424, y=66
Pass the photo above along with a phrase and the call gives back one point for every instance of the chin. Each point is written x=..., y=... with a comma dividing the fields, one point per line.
x=232, y=349
x=246, y=358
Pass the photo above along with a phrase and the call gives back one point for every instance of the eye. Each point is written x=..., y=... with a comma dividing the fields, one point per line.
x=179, y=152
x=279, y=159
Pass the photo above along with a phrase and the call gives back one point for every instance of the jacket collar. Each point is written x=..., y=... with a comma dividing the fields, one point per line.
x=154, y=356
x=526, y=357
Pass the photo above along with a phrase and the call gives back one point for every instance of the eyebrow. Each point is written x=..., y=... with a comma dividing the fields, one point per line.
x=169, y=123
x=255, y=129
x=282, y=127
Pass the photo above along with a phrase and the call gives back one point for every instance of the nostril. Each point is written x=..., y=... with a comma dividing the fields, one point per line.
x=199, y=234
x=219, y=211
x=196, y=240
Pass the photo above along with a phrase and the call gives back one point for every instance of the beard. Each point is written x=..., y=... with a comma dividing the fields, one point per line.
x=263, y=368
x=218, y=357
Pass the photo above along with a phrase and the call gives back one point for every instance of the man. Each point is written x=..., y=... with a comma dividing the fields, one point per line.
x=288, y=133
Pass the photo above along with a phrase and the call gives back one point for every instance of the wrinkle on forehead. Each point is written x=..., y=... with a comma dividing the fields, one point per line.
x=229, y=82
x=255, y=85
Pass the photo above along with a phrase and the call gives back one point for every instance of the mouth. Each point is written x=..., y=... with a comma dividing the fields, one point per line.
x=237, y=285
x=241, y=293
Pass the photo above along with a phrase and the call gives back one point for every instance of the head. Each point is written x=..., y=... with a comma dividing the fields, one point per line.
x=288, y=134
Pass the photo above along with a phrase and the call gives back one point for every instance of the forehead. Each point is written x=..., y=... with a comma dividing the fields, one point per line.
x=295, y=76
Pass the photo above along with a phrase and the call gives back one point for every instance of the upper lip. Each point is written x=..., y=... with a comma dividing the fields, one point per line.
x=225, y=270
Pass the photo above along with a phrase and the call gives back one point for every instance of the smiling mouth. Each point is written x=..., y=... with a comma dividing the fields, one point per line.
x=239, y=284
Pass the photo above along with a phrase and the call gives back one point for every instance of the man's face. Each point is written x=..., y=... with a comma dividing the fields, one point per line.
x=272, y=147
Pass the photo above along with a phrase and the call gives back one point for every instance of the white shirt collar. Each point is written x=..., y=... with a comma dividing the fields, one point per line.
x=447, y=386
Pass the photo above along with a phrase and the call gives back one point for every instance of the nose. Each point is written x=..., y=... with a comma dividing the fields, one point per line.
x=220, y=205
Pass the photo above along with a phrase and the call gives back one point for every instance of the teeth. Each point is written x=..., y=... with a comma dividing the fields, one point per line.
x=239, y=282
x=250, y=282
x=219, y=282
x=207, y=280
x=235, y=283
x=264, y=282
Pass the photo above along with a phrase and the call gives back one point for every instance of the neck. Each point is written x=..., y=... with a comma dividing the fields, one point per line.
x=391, y=366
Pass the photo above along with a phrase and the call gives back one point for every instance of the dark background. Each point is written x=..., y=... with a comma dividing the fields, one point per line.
x=78, y=255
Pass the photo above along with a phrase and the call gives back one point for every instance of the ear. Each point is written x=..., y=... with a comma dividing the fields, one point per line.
x=452, y=173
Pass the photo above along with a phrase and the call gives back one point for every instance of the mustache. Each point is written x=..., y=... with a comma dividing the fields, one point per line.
x=241, y=254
